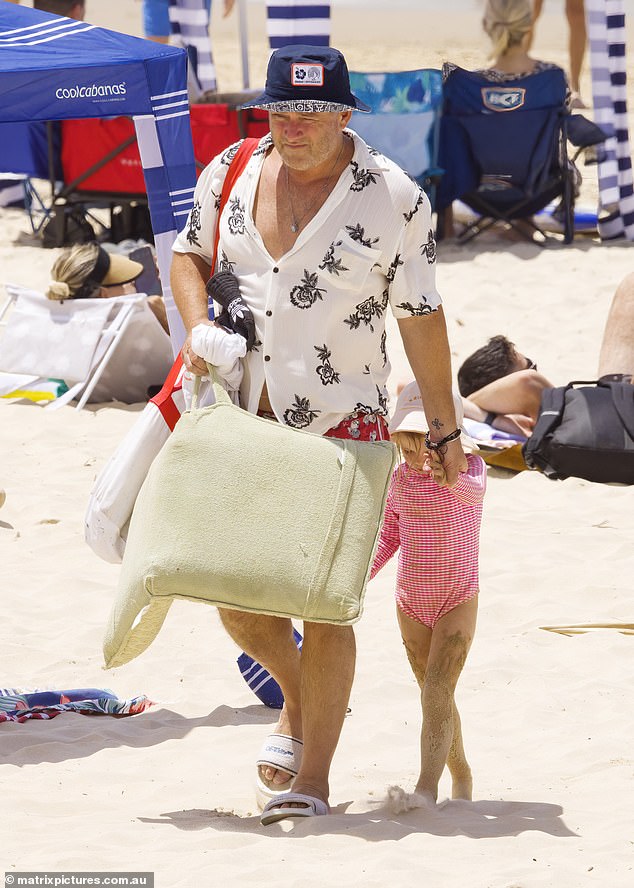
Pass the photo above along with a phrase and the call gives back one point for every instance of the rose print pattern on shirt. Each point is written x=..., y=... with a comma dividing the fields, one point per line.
x=362, y=178
x=325, y=370
x=195, y=224
x=300, y=415
x=366, y=311
x=306, y=293
x=236, y=218
x=230, y=153
x=429, y=249
x=357, y=233
x=330, y=263
x=417, y=310
x=226, y=264
x=409, y=216
x=383, y=347
x=391, y=272
x=381, y=410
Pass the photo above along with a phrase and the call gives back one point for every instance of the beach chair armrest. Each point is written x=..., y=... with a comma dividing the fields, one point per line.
x=583, y=132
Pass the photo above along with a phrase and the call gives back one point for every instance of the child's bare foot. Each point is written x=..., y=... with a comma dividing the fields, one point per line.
x=400, y=801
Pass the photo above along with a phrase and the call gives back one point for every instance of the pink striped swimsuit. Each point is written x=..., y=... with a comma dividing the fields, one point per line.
x=437, y=530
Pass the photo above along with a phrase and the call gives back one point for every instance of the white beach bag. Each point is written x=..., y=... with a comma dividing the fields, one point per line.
x=117, y=486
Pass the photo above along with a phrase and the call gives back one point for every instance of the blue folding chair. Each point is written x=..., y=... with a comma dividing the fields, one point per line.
x=29, y=151
x=404, y=124
x=503, y=148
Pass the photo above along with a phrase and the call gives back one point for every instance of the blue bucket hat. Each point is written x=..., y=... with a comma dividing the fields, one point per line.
x=307, y=78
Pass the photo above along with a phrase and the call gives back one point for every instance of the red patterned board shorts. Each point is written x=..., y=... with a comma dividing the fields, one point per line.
x=359, y=426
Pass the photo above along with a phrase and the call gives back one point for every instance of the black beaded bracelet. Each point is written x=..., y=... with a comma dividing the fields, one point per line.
x=436, y=445
x=489, y=418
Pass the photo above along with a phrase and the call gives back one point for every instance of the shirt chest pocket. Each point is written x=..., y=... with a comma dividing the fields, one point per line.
x=348, y=263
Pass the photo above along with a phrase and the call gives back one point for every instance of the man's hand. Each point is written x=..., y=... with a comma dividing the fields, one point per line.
x=193, y=362
x=515, y=424
x=453, y=461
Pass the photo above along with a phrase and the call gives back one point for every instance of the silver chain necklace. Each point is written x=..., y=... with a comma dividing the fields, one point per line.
x=295, y=224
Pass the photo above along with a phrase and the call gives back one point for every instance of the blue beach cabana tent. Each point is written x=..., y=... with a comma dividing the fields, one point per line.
x=55, y=68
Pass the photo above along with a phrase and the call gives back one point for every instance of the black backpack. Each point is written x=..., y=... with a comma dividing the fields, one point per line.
x=585, y=432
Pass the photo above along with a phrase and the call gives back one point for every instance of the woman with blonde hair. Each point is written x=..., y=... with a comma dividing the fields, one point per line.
x=87, y=271
x=509, y=26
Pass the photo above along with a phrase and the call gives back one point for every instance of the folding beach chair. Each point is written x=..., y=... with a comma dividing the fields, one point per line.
x=503, y=148
x=100, y=168
x=28, y=152
x=404, y=124
x=103, y=349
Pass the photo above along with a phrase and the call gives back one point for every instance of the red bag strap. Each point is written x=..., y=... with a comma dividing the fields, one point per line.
x=163, y=400
x=239, y=162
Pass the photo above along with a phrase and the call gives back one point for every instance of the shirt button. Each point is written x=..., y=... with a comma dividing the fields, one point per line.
x=267, y=357
x=276, y=269
x=269, y=313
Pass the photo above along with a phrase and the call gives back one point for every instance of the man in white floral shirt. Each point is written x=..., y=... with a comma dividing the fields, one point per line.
x=322, y=234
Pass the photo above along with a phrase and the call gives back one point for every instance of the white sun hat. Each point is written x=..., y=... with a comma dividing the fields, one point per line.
x=409, y=416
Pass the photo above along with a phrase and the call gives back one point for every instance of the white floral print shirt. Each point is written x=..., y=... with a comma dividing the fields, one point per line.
x=320, y=309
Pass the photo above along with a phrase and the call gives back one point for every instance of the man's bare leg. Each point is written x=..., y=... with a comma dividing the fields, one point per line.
x=327, y=672
x=617, y=347
x=269, y=640
x=316, y=687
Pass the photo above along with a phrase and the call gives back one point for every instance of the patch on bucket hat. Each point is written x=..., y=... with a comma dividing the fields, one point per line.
x=307, y=75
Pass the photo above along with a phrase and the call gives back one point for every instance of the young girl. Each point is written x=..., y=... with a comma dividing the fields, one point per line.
x=437, y=530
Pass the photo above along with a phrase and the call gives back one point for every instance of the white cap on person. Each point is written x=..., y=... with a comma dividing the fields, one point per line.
x=409, y=416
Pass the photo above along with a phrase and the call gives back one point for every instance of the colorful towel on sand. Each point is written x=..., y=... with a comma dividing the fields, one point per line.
x=19, y=705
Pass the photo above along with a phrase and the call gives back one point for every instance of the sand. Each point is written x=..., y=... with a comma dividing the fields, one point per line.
x=547, y=718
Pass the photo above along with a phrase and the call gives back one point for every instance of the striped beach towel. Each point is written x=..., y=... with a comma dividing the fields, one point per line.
x=606, y=34
x=190, y=21
x=262, y=682
x=297, y=21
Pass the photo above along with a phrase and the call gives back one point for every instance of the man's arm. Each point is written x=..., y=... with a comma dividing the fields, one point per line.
x=427, y=350
x=513, y=423
x=188, y=277
x=518, y=392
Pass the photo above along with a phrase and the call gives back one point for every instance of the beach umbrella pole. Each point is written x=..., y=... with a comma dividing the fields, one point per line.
x=244, y=41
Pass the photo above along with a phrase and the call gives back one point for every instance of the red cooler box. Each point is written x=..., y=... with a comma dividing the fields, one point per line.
x=89, y=143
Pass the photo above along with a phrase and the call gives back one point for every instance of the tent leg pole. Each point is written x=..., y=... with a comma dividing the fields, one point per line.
x=244, y=42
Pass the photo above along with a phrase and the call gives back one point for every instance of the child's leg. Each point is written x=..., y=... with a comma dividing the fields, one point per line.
x=461, y=779
x=437, y=657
